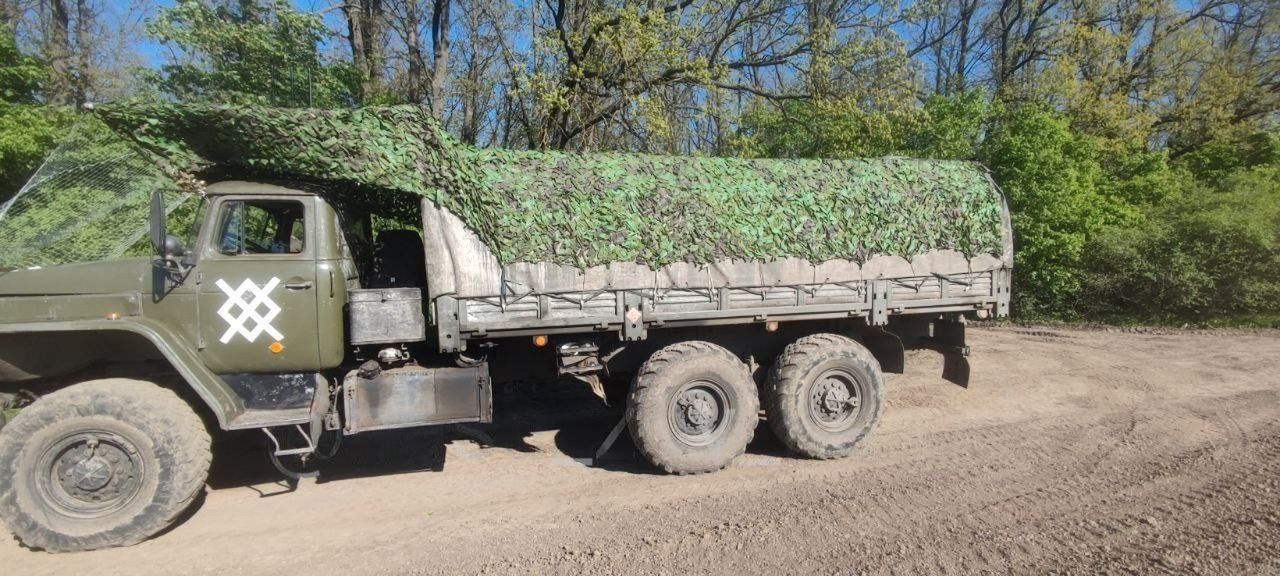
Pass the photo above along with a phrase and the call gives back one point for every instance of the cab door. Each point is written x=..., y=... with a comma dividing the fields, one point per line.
x=257, y=285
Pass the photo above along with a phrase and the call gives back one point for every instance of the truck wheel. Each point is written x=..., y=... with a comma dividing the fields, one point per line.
x=99, y=464
x=693, y=408
x=824, y=395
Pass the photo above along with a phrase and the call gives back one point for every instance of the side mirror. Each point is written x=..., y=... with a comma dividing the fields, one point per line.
x=159, y=237
x=168, y=249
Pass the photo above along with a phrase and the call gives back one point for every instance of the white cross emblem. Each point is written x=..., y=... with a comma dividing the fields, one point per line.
x=249, y=310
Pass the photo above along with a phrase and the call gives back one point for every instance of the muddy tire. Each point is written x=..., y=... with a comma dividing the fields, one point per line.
x=824, y=395
x=100, y=464
x=692, y=408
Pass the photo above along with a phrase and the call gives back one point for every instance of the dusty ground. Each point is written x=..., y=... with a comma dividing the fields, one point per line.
x=1071, y=452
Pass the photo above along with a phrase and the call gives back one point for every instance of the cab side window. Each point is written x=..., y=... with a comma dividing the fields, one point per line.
x=262, y=227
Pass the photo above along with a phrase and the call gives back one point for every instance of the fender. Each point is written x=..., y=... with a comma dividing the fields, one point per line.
x=215, y=393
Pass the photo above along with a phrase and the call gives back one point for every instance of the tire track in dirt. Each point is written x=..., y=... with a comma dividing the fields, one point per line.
x=1079, y=452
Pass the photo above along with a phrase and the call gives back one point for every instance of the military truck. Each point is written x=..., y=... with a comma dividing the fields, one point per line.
x=285, y=310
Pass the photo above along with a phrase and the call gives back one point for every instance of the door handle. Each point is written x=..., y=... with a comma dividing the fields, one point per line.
x=304, y=285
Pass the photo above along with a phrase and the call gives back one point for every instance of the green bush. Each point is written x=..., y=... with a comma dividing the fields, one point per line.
x=1208, y=252
x=27, y=133
x=823, y=129
x=1217, y=159
x=1051, y=178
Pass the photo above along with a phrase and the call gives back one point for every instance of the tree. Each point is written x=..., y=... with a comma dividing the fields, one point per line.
x=599, y=74
x=20, y=75
x=262, y=51
x=478, y=69
x=28, y=131
x=1050, y=177
x=423, y=83
x=366, y=35
x=945, y=127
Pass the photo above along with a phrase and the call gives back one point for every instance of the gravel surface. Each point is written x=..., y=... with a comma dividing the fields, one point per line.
x=1072, y=451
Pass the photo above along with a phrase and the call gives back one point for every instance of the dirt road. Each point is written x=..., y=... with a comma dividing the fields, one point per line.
x=1070, y=452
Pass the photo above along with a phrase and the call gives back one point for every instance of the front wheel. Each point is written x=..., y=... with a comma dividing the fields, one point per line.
x=100, y=464
x=693, y=408
x=824, y=395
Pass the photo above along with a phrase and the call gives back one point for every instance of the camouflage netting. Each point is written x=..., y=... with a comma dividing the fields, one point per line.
x=594, y=209
x=589, y=209
x=88, y=201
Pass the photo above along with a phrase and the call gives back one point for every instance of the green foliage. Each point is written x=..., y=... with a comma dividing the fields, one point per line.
x=20, y=74
x=824, y=129
x=27, y=134
x=27, y=130
x=952, y=126
x=945, y=127
x=258, y=52
x=1218, y=158
x=1051, y=177
x=1134, y=177
x=589, y=210
x=1208, y=251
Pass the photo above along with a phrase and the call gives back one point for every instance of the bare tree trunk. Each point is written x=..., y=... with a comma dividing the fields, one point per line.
x=967, y=10
x=58, y=52
x=818, y=24
x=354, y=12
x=82, y=75
x=365, y=35
x=413, y=45
x=439, y=55
x=475, y=94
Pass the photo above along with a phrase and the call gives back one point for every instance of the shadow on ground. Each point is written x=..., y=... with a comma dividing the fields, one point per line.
x=580, y=421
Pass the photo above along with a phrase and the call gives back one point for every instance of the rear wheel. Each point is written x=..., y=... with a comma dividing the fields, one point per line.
x=100, y=464
x=824, y=395
x=693, y=408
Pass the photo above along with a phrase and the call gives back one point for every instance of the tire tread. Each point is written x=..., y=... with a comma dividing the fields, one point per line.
x=650, y=442
x=151, y=408
x=786, y=378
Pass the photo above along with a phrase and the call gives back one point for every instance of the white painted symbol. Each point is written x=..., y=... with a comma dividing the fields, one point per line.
x=248, y=310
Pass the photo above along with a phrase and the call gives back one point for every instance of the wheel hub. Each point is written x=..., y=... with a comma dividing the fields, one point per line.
x=834, y=401
x=698, y=413
x=835, y=398
x=699, y=409
x=92, y=474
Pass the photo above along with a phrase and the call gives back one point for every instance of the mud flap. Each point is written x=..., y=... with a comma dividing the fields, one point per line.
x=886, y=347
x=948, y=339
x=955, y=369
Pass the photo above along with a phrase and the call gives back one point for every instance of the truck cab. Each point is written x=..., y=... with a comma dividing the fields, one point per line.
x=250, y=304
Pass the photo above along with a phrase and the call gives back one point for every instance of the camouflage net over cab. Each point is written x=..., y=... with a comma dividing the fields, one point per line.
x=591, y=209
x=88, y=201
